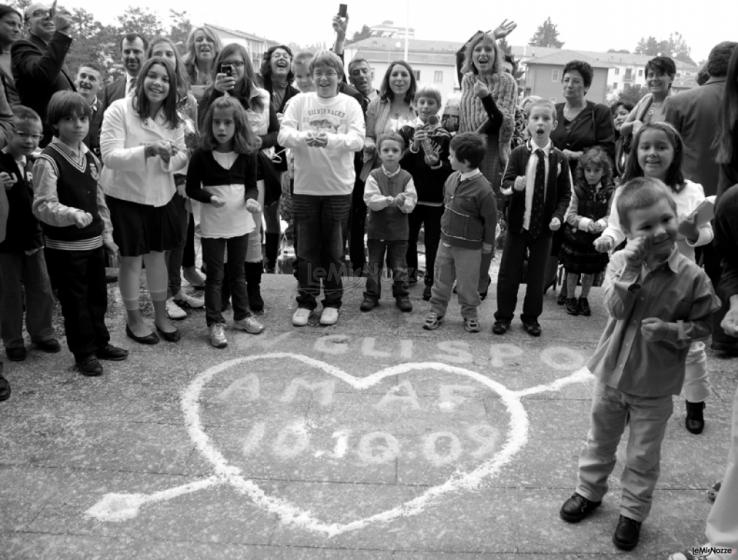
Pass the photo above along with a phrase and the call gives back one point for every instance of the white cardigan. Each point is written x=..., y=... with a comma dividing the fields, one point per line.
x=127, y=174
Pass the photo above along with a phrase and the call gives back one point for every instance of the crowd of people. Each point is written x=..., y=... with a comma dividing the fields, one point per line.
x=202, y=140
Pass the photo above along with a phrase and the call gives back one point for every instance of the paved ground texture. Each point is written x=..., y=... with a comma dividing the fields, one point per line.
x=372, y=439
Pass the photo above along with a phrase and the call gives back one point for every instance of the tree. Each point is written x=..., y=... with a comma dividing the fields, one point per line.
x=675, y=46
x=141, y=20
x=180, y=28
x=632, y=93
x=546, y=36
x=365, y=33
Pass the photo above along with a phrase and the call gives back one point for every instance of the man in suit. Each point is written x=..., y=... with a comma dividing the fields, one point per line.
x=88, y=82
x=37, y=63
x=132, y=51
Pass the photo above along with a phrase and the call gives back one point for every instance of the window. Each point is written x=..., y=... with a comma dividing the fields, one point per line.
x=628, y=74
x=617, y=70
x=615, y=85
x=555, y=75
x=640, y=72
x=438, y=77
x=417, y=75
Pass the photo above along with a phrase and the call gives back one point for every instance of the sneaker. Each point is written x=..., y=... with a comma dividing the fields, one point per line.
x=403, y=303
x=471, y=325
x=501, y=327
x=217, y=336
x=329, y=316
x=427, y=292
x=584, y=308
x=626, y=533
x=368, y=303
x=174, y=311
x=532, y=328
x=432, y=321
x=249, y=325
x=577, y=508
x=572, y=306
x=300, y=316
x=89, y=366
x=50, y=345
x=194, y=277
x=186, y=300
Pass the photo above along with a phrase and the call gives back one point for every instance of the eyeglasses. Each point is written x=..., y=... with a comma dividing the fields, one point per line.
x=238, y=63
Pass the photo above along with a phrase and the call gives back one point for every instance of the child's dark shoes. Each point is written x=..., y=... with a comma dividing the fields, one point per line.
x=572, y=306
x=89, y=366
x=695, y=421
x=584, y=308
x=112, y=353
x=532, y=328
x=403, y=303
x=368, y=303
x=577, y=508
x=16, y=353
x=427, y=292
x=50, y=345
x=501, y=327
x=626, y=533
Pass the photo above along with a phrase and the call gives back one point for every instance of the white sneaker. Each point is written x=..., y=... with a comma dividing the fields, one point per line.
x=217, y=336
x=174, y=311
x=301, y=316
x=248, y=324
x=186, y=300
x=329, y=316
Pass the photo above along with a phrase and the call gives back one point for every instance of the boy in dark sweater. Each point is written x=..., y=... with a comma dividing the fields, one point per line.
x=538, y=181
x=467, y=230
x=22, y=263
x=427, y=161
x=390, y=196
x=77, y=229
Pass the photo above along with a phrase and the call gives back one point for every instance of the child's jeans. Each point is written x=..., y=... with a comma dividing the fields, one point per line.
x=79, y=277
x=21, y=273
x=510, y=275
x=430, y=218
x=647, y=418
x=462, y=265
x=395, y=251
x=213, y=255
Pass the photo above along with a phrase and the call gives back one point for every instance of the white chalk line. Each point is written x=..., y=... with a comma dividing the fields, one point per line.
x=291, y=514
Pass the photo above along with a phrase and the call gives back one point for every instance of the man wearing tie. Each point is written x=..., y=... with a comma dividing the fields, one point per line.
x=132, y=49
x=38, y=62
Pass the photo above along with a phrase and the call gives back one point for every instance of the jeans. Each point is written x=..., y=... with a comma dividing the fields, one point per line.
x=79, y=277
x=319, y=225
x=430, y=218
x=395, y=251
x=462, y=265
x=213, y=253
x=19, y=274
x=647, y=418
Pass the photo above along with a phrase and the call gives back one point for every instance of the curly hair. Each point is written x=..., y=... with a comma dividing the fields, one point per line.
x=584, y=69
x=594, y=157
x=266, y=67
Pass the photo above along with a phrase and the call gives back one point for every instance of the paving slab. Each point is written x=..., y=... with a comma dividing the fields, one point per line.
x=370, y=439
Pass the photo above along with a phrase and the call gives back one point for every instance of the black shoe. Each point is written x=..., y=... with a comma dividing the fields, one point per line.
x=725, y=349
x=50, y=345
x=561, y=300
x=501, y=327
x=412, y=279
x=4, y=386
x=16, y=354
x=150, y=338
x=403, y=303
x=89, y=366
x=483, y=295
x=112, y=353
x=368, y=303
x=572, y=306
x=626, y=533
x=532, y=328
x=427, y=292
x=584, y=308
x=695, y=421
x=577, y=508
x=169, y=336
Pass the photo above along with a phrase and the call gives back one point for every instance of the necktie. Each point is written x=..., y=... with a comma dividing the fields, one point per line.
x=539, y=194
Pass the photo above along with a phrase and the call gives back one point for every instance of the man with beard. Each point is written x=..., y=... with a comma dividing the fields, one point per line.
x=88, y=82
x=38, y=62
x=132, y=49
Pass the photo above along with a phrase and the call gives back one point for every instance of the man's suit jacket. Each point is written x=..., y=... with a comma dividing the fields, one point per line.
x=113, y=92
x=695, y=113
x=38, y=69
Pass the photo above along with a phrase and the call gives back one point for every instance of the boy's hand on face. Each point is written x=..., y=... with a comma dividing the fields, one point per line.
x=604, y=244
x=654, y=329
x=480, y=89
x=554, y=224
x=253, y=206
x=7, y=180
x=519, y=184
x=217, y=201
x=635, y=251
x=82, y=219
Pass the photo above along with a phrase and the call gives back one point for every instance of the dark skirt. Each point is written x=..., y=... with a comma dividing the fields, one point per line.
x=139, y=228
x=577, y=253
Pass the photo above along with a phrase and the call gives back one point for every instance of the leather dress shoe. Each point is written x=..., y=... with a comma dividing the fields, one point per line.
x=150, y=338
x=112, y=353
x=50, y=345
x=16, y=354
x=577, y=508
x=89, y=366
x=532, y=328
x=169, y=336
x=626, y=533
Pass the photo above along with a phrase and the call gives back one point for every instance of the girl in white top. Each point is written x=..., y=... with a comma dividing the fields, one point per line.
x=657, y=152
x=222, y=175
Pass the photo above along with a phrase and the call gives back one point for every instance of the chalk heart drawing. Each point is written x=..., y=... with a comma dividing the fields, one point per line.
x=115, y=507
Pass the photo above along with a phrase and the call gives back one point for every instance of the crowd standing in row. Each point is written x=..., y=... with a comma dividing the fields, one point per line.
x=125, y=169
